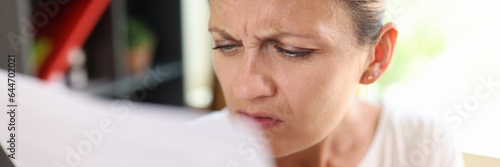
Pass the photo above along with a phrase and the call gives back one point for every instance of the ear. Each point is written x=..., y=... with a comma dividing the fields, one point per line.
x=381, y=54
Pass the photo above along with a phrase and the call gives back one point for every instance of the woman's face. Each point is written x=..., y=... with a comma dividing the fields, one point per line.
x=296, y=63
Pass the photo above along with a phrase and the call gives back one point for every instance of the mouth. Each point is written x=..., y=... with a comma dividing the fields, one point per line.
x=264, y=121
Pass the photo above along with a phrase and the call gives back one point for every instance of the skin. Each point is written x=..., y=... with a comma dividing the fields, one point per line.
x=313, y=94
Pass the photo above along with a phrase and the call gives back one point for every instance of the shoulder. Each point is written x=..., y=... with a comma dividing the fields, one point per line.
x=418, y=139
x=410, y=124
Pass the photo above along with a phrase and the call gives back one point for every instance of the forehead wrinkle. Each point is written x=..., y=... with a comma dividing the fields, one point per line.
x=218, y=7
x=253, y=19
x=244, y=27
x=263, y=23
x=292, y=18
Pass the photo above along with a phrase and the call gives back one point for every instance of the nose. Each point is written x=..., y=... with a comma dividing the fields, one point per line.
x=252, y=81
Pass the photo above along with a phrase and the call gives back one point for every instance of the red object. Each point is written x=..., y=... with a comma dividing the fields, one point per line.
x=68, y=28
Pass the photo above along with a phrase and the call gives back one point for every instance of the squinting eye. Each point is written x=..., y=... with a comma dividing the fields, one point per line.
x=226, y=48
x=293, y=54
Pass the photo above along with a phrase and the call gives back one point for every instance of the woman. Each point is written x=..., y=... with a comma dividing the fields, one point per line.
x=293, y=68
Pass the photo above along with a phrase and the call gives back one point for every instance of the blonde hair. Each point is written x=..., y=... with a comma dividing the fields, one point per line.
x=367, y=16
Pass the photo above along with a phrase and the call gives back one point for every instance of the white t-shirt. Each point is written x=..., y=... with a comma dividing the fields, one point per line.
x=405, y=138
x=402, y=139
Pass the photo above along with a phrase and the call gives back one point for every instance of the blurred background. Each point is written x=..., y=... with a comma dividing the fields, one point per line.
x=446, y=62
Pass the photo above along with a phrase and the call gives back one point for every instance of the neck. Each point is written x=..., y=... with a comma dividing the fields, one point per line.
x=345, y=145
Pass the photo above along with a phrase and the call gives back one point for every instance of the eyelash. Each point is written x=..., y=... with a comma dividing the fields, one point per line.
x=290, y=54
x=225, y=47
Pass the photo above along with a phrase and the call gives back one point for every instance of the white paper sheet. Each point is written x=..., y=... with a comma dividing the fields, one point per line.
x=58, y=128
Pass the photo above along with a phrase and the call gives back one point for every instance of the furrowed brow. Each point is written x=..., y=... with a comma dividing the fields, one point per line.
x=221, y=32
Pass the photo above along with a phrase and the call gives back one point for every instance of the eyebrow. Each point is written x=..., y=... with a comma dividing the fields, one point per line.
x=273, y=36
x=222, y=32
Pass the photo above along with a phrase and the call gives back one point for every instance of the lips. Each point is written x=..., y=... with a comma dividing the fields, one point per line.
x=264, y=121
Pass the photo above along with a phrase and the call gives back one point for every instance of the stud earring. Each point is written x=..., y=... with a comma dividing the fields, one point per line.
x=374, y=75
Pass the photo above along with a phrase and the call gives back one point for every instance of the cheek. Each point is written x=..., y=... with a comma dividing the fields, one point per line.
x=315, y=96
x=226, y=73
x=317, y=90
x=312, y=100
x=318, y=95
